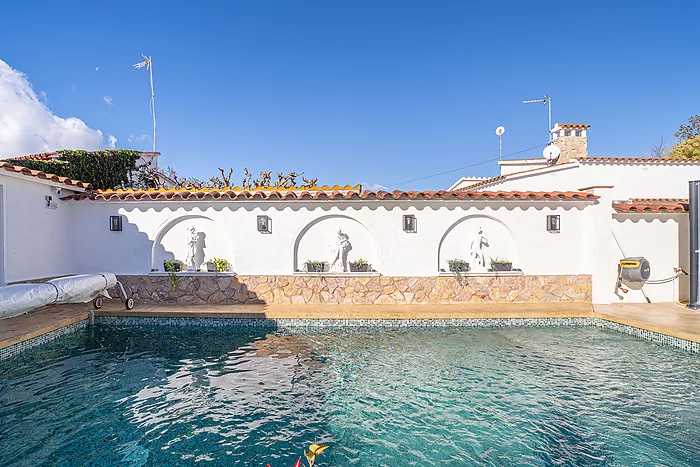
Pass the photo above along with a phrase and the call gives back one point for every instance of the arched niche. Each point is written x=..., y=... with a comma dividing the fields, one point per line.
x=477, y=235
x=318, y=241
x=171, y=240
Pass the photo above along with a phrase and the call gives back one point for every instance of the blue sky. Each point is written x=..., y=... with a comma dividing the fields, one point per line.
x=378, y=92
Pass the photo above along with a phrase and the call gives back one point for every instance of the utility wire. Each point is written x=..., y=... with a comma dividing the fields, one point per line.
x=466, y=166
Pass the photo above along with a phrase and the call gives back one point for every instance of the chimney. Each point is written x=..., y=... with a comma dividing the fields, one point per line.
x=572, y=141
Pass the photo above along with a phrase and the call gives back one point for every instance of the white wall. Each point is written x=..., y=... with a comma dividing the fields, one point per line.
x=668, y=180
x=663, y=240
x=305, y=230
x=75, y=238
x=35, y=238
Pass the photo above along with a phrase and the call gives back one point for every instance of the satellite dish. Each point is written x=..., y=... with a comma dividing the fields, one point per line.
x=551, y=152
x=500, y=130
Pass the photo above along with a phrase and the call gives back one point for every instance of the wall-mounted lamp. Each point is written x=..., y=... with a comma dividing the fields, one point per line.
x=50, y=203
x=115, y=223
x=410, y=224
x=264, y=224
x=553, y=223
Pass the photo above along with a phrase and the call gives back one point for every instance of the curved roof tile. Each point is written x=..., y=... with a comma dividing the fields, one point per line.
x=230, y=195
x=44, y=176
x=650, y=208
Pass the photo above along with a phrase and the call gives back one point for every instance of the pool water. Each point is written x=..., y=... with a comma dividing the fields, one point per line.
x=160, y=395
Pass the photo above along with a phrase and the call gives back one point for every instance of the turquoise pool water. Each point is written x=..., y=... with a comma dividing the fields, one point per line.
x=156, y=396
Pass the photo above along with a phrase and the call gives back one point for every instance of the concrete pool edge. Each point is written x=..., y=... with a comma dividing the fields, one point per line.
x=684, y=333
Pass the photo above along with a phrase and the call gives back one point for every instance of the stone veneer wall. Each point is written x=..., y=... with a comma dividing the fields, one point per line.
x=299, y=290
x=572, y=147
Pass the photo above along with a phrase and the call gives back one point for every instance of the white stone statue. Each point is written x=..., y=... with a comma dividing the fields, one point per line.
x=476, y=250
x=192, y=239
x=340, y=251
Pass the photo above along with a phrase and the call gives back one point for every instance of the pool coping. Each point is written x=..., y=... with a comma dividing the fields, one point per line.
x=353, y=316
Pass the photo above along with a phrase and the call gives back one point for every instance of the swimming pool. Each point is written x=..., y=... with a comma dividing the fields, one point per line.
x=175, y=395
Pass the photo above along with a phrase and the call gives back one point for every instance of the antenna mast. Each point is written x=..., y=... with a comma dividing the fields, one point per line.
x=499, y=132
x=548, y=102
x=148, y=64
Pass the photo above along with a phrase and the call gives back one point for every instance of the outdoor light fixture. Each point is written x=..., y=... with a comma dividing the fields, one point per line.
x=115, y=223
x=50, y=203
x=553, y=223
x=264, y=224
x=409, y=223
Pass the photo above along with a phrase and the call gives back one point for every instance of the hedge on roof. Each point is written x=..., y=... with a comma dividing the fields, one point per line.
x=52, y=166
x=105, y=170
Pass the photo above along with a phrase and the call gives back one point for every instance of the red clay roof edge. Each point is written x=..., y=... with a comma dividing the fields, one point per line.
x=230, y=195
x=18, y=169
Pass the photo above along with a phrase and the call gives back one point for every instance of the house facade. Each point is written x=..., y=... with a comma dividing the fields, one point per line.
x=542, y=231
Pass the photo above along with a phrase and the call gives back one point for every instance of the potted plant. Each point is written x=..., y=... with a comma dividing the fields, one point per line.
x=458, y=265
x=316, y=266
x=218, y=265
x=502, y=264
x=359, y=265
x=173, y=265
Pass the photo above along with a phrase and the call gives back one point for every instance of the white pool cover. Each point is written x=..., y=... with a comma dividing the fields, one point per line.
x=21, y=298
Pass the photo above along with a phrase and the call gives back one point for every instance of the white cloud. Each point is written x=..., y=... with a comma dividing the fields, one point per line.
x=111, y=142
x=372, y=186
x=137, y=139
x=44, y=99
x=27, y=126
x=108, y=100
x=97, y=68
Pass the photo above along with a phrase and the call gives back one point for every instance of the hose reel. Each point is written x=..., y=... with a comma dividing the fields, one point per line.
x=636, y=269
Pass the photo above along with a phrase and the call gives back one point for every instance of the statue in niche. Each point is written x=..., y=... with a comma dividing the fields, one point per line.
x=340, y=251
x=476, y=250
x=192, y=241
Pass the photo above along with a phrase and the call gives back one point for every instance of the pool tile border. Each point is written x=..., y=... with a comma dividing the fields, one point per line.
x=306, y=323
x=657, y=337
x=20, y=347
x=299, y=325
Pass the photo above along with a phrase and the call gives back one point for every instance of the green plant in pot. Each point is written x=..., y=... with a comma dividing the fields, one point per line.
x=315, y=266
x=172, y=266
x=458, y=265
x=218, y=265
x=501, y=264
x=359, y=265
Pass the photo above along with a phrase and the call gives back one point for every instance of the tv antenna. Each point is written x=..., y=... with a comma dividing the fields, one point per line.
x=499, y=132
x=148, y=64
x=546, y=100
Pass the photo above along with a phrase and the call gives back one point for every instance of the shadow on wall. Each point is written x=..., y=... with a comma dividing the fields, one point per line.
x=173, y=240
x=100, y=249
x=197, y=290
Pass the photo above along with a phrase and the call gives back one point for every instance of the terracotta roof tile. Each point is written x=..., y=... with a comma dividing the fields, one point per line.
x=44, y=176
x=651, y=207
x=577, y=126
x=637, y=160
x=659, y=200
x=334, y=195
x=44, y=156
